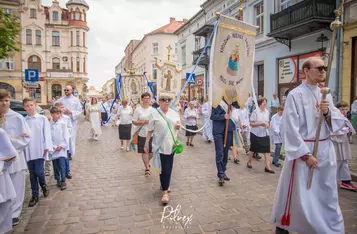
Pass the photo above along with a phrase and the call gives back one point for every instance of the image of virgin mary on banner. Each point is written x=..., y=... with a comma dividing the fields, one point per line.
x=232, y=61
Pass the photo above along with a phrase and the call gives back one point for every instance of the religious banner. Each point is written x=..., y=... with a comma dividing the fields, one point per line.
x=132, y=87
x=232, y=59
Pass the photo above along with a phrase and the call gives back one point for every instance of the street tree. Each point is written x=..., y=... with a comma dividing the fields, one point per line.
x=9, y=34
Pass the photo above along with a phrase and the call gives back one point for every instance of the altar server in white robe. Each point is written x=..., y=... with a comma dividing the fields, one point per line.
x=7, y=191
x=20, y=134
x=296, y=208
x=37, y=150
x=245, y=124
x=72, y=108
x=207, y=130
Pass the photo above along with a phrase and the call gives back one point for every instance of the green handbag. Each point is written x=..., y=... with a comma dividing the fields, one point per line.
x=177, y=148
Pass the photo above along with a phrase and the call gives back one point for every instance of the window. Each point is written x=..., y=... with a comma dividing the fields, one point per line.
x=7, y=11
x=84, y=39
x=261, y=80
x=56, y=65
x=71, y=38
x=259, y=17
x=154, y=72
x=155, y=48
x=33, y=13
x=175, y=48
x=72, y=64
x=38, y=37
x=28, y=37
x=55, y=38
x=77, y=38
x=78, y=14
x=285, y=4
x=78, y=65
x=55, y=16
x=183, y=55
x=34, y=62
x=56, y=90
x=9, y=63
x=197, y=43
x=84, y=65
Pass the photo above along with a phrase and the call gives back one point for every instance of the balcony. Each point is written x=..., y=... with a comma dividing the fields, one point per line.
x=204, y=31
x=204, y=59
x=304, y=17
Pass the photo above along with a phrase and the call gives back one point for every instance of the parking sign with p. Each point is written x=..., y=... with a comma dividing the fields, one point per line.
x=31, y=75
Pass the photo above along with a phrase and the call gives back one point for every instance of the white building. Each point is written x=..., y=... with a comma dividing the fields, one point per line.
x=155, y=44
x=120, y=67
x=55, y=42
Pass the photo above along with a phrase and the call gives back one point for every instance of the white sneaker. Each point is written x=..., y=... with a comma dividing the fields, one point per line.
x=121, y=147
x=96, y=138
x=127, y=149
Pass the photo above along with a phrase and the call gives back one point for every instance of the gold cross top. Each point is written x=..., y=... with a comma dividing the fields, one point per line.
x=169, y=52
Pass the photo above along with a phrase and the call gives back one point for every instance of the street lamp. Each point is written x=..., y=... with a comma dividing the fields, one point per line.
x=321, y=39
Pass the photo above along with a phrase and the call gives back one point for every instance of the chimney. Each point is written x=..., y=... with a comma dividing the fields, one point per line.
x=172, y=19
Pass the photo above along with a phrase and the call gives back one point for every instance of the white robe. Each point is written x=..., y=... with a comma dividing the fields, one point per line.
x=40, y=128
x=275, y=124
x=60, y=137
x=72, y=103
x=315, y=210
x=207, y=130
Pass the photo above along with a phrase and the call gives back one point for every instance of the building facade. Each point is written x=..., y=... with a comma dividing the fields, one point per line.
x=128, y=62
x=120, y=67
x=55, y=42
x=11, y=67
x=349, y=48
x=158, y=43
x=108, y=88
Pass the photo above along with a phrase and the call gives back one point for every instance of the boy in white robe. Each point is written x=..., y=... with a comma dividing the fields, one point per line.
x=73, y=109
x=68, y=122
x=207, y=130
x=7, y=191
x=343, y=152
x=20, y=134
x=37, y=150
x=244, y=127
x=60, y=143
x=275, y=135
x=297, y=208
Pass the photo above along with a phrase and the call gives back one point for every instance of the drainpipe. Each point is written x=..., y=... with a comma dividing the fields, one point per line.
x=339, y=59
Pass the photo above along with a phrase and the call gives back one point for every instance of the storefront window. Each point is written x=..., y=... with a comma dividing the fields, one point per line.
x=35, y=93
x=56, y=90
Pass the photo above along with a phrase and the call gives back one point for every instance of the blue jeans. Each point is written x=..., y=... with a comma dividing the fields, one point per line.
x=59, y=169
x=221, y=152
x=167, y=162
x=277, y=153
x=37, y=175
x=68, y=170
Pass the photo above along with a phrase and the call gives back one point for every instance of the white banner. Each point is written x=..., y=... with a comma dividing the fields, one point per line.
x=132, y=88
x=232, y=61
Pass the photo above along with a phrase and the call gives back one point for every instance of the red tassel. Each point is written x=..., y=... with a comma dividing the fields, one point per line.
x=283, y=220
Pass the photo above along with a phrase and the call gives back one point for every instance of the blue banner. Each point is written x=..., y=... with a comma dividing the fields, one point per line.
x=118, y=90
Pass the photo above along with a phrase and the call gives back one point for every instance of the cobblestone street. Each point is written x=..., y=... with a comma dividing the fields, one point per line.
x=110, y=194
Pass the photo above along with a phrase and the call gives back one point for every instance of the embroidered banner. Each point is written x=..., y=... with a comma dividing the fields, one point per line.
x=231, y=62
x=132, y=88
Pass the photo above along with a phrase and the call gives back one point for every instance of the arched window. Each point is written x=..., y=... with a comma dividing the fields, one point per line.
x=55, y=16
x=28, y=37
x=34, y=62
x=56, y=90
x=78, y=14
x=78, y=65
x=56, y=64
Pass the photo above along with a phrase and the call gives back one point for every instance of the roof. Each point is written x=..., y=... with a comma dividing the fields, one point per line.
x=78, y=2
x=170, y=27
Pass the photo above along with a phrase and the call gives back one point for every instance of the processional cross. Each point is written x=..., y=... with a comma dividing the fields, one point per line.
x=169, y=52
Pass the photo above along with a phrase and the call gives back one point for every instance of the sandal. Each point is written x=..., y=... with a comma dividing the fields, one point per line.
x=249, y=166
x=147, y=173
x=236, y=161
x=191, y=144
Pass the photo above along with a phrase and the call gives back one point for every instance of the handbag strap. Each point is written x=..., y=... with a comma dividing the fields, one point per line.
x=169, y=126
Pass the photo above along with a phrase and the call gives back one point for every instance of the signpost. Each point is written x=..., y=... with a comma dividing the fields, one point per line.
x=191, y=81
x=31, y=75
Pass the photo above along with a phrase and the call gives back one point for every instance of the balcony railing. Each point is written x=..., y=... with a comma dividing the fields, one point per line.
x=60, y=70
x=205, y=57
x=318, y=12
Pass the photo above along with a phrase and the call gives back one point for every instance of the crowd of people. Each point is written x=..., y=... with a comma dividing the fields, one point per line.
x=154, y=128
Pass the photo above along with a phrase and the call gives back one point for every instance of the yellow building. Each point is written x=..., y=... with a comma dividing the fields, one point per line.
x=349, y=60
x=10, y=67
x=109, y=88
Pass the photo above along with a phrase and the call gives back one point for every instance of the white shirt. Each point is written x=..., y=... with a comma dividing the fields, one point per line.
x=141, y=114
x=42, y=140
x=125, y=114
x=159, y=126
x=20, y=135
x=274, y=102
x=191, y=112
x=259, y=116
x=68, y=122
x=275, y=129
x=72, y=103
x=206, y=112
x=244, y=118
x=60, y=137
x=354, y=107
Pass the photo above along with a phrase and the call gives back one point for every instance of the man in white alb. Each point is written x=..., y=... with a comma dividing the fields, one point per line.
x=296, y=208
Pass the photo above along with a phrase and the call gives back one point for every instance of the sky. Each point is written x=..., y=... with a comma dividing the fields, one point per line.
x=113, y=23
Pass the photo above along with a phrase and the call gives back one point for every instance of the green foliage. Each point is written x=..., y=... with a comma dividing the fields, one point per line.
x=9, y=34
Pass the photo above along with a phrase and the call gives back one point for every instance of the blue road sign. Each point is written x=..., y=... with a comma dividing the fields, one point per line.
x=192, y=79
x=31, y=75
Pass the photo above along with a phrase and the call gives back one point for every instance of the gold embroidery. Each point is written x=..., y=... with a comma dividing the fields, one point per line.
x=237, y=29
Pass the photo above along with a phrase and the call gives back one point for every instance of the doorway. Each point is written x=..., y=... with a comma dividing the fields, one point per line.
x=354, y=70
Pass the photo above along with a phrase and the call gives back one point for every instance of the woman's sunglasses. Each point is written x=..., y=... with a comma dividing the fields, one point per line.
x=165, y=99
x=321, y=68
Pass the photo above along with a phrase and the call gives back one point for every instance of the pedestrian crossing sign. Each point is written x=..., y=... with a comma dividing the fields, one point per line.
x=192, y=78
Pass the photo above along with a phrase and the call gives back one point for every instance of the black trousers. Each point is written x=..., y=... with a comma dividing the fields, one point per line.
x=104, y=116
x=167, y=162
